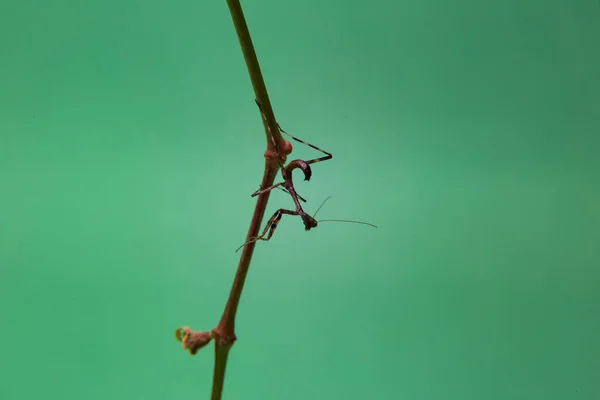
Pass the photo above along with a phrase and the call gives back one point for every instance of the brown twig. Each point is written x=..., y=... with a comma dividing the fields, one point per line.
x=258, y=83
x=224, y=333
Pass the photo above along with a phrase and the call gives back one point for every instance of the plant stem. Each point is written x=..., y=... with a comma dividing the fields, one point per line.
x=221, y=354
x=258, y=83
x=224, y=332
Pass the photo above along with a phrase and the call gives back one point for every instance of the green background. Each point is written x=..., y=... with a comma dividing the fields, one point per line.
x=468, y=131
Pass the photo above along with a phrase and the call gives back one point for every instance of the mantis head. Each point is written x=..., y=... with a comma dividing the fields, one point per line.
x=309, y=222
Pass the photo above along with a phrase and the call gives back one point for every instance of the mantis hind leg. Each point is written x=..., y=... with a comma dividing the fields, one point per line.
x=270, y=226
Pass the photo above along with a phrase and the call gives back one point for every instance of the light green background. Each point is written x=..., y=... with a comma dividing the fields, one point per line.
x=467, y=130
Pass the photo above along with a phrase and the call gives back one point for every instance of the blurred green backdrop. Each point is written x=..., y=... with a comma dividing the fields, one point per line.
x=468, y=131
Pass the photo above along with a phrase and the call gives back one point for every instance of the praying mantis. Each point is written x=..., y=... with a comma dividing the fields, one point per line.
x=288, y=186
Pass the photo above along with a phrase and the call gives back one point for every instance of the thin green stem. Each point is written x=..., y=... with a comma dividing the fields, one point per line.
x=221, y=353
x=224, y=332
x=258, y=83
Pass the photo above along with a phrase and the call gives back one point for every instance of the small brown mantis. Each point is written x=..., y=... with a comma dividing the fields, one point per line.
x=288, y=186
